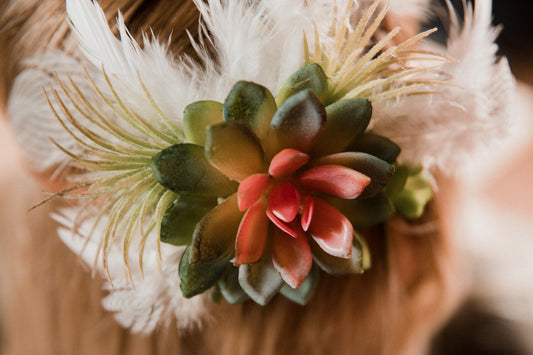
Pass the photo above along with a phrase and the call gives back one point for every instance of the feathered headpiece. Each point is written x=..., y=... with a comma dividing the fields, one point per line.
x=244, y=174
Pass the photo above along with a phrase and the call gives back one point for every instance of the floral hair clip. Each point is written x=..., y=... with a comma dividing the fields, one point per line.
x=297, y=173
x=251, y=174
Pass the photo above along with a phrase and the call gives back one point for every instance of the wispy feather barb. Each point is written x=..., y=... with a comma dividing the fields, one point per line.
x=119, y=144
x=356, y=67
x=467, y=116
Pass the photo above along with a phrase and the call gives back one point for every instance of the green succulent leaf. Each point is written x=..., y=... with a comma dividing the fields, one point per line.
x=183, y=168
x=214, y=236
x=234, y=149
x=377, y=146
x=297, y=124
x=229, y=286
x=198, y=116
x=216, y=296
x=251, y=103
x=417, y=192
x=360, y=244
x=197, y=278
x=260, y=281
x=364, y=212
x=397, y=181
x=346, y=121
x=179, y=221
x=311, y=77
x=379, y=171
x=302, y=295
x=338, y=266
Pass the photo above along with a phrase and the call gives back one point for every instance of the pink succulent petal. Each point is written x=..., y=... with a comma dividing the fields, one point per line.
x=280, y=224
x=251, y=189
x=252, y=235
x=286, y=162
x=332, y=231
x=292, y=257
x=334, y=180
x=284, y=201
x=307, y=213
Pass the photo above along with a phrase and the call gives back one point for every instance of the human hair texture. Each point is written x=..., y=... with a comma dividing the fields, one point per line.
x=55, y=305
x=30, y=26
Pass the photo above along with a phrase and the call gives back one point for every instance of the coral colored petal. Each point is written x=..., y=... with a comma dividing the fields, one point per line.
x=251, y=189
x=286, y=162
x=307, y=213
x=379, y=171
x=284, y=201
x=252, y=235
x=280, y=224
x=334, y=180
x=332, y=231
x=292, y=256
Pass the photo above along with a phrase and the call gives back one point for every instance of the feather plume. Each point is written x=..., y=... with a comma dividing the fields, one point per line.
x=257, y=41
x=29, y=112
x=452, y=127
x=133, y=70
x=155, y=299
x=410, y=8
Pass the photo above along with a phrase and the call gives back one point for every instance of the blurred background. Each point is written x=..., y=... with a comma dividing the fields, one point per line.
x=494, y=216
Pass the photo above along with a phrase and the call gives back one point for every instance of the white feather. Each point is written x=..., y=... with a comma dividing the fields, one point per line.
x=250, y=43
x=32, y=121
x=416, y=9
x=125, y=61
x=154, y=298
x=261, y=42
x=452, y=128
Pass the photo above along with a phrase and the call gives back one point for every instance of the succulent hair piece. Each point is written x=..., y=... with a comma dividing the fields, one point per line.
x=253, y=179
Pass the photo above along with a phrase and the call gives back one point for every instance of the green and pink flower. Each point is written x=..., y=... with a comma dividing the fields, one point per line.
x=274, y=185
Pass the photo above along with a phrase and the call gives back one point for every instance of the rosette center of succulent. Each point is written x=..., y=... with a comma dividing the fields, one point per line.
x=287, y=193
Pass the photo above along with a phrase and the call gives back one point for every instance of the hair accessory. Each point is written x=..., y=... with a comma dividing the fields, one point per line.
x=260, y=168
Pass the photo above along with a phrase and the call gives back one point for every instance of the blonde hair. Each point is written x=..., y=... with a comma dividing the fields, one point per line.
x=54, y=307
